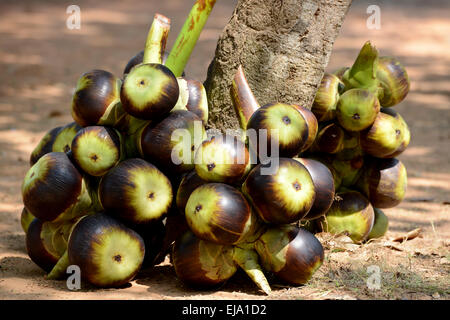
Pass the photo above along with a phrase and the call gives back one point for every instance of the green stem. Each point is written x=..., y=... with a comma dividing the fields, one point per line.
x=363, y=73
x=247, y=259
x=189, y=34
x=156, y=39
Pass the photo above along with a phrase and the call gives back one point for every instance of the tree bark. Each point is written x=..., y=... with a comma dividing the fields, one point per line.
x=284, y=47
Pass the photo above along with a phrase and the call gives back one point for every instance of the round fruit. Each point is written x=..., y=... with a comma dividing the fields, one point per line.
x=135, y=191
x=293, y=254
x=108, y=253
x=96, y=149
x=223, y=158
x=219, y=213
x=51, y=186
x=351, y=212
x=283, y=196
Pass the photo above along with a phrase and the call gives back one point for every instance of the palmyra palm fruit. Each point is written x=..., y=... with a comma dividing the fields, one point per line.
x=188, y=184
x=327, y=96
x=58, y=139
x=222, y=158
x=44, y=146
x=52, y=186
x=95, y=98
x=380, y=225
x=330, y=139
x=149, y=91
x=383, y=182
x=352, y=213
x=108, y=253
x=357, y=109
x=323, y=185
x=285, y=196
x=96, y=149
x=282, y=122
x=39, y=245
x=204, y=264
x=171, y=143
x=384, y=137
x=219, y=213
x=406, y=132
x=25, y=219
x=293, y=254
x=313, y=126
x=63, y=139
x=136, y=192
x=394, y=81
x=193, y=98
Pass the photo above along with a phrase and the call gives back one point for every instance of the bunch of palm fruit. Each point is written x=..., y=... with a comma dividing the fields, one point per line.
x=100, y=189
x=248, y=191
x=136, y=176
x=360, y=135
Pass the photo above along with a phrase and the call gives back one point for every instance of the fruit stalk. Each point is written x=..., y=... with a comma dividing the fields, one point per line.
x=156, y=39
x=59, y=270
x=189, y=34
x=244, y=102
x=248, y=261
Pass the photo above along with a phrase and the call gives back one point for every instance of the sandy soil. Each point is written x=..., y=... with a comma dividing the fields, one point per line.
x=41, y=60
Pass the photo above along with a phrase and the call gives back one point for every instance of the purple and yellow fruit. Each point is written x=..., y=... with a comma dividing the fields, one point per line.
x=44, y=146
x=352, y=213
x=383, y=182
x=63, y=139
x=330, y=139
x=406, y=133
x=222, y=158
x=108, y=253
x=136, y=192
x=380, y=225
x=25, y=219
x=52, y=186
x=313, y=126
x=200, y=263
x=192, y=98
x=149, y=91
x=219, y=213
x=349, y=170
x=138, y=58
x=323, y=185
x=204, y=264
x=394, y=81
x=357, y=109
x=188, y=184
x=171, y=144
x=39, y=245
x=282, y=122
x=384, y=137
x=293, y=254
x=96, y=149
x=283, y=196
x=96, y=96
x=327, y=97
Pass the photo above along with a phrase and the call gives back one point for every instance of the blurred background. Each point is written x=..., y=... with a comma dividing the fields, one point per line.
x=41, y=60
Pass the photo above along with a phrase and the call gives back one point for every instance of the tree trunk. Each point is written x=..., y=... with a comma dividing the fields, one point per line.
x=284, y=47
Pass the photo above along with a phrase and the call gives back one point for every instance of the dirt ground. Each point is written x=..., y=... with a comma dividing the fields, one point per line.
x=41, y=60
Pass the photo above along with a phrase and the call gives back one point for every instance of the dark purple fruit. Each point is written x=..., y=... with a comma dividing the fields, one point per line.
x=108, y=253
